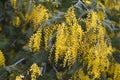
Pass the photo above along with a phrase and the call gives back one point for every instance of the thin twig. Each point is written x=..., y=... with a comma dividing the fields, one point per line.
x=19, y=61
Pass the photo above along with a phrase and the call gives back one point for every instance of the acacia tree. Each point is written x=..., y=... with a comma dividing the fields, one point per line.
x=57, y=40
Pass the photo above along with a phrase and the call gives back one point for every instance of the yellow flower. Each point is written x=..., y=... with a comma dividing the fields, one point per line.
x=94, y=48
x=2, y=59
x=47, y=36
x=35, y=41
x=20, y=77
x=60, y=44
x=67, y=39
x=70, y=16
x=38, y=15
x=35, y=71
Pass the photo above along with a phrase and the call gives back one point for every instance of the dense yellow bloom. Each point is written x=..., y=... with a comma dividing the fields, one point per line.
x=89, y=46
x=90, y=21
x=35, y=71
x=60, y=45
x=96, y=48
x=47, y=35
x=70, y=16
x=94, y=17
x=73, y=41
x=20, y=77
x=2, y=59
x=38, y=15
x=35, y=41
x=68, y=39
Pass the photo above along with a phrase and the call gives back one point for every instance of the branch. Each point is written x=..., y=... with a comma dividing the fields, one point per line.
x=13, y=65
x=19, y=61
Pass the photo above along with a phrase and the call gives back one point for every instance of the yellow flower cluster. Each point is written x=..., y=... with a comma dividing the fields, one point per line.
x=95, y=47
x=20, y=77
x=34, y=71
x=47, y=34
x=16, y=22
x=61, y=39
x=48, y=31
x=72, y=41
x=2, y=59
x=68, y=39
x=13, y=3
x=92, y=20
x=38, y=15
x=70, y=16
x=35, y=41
